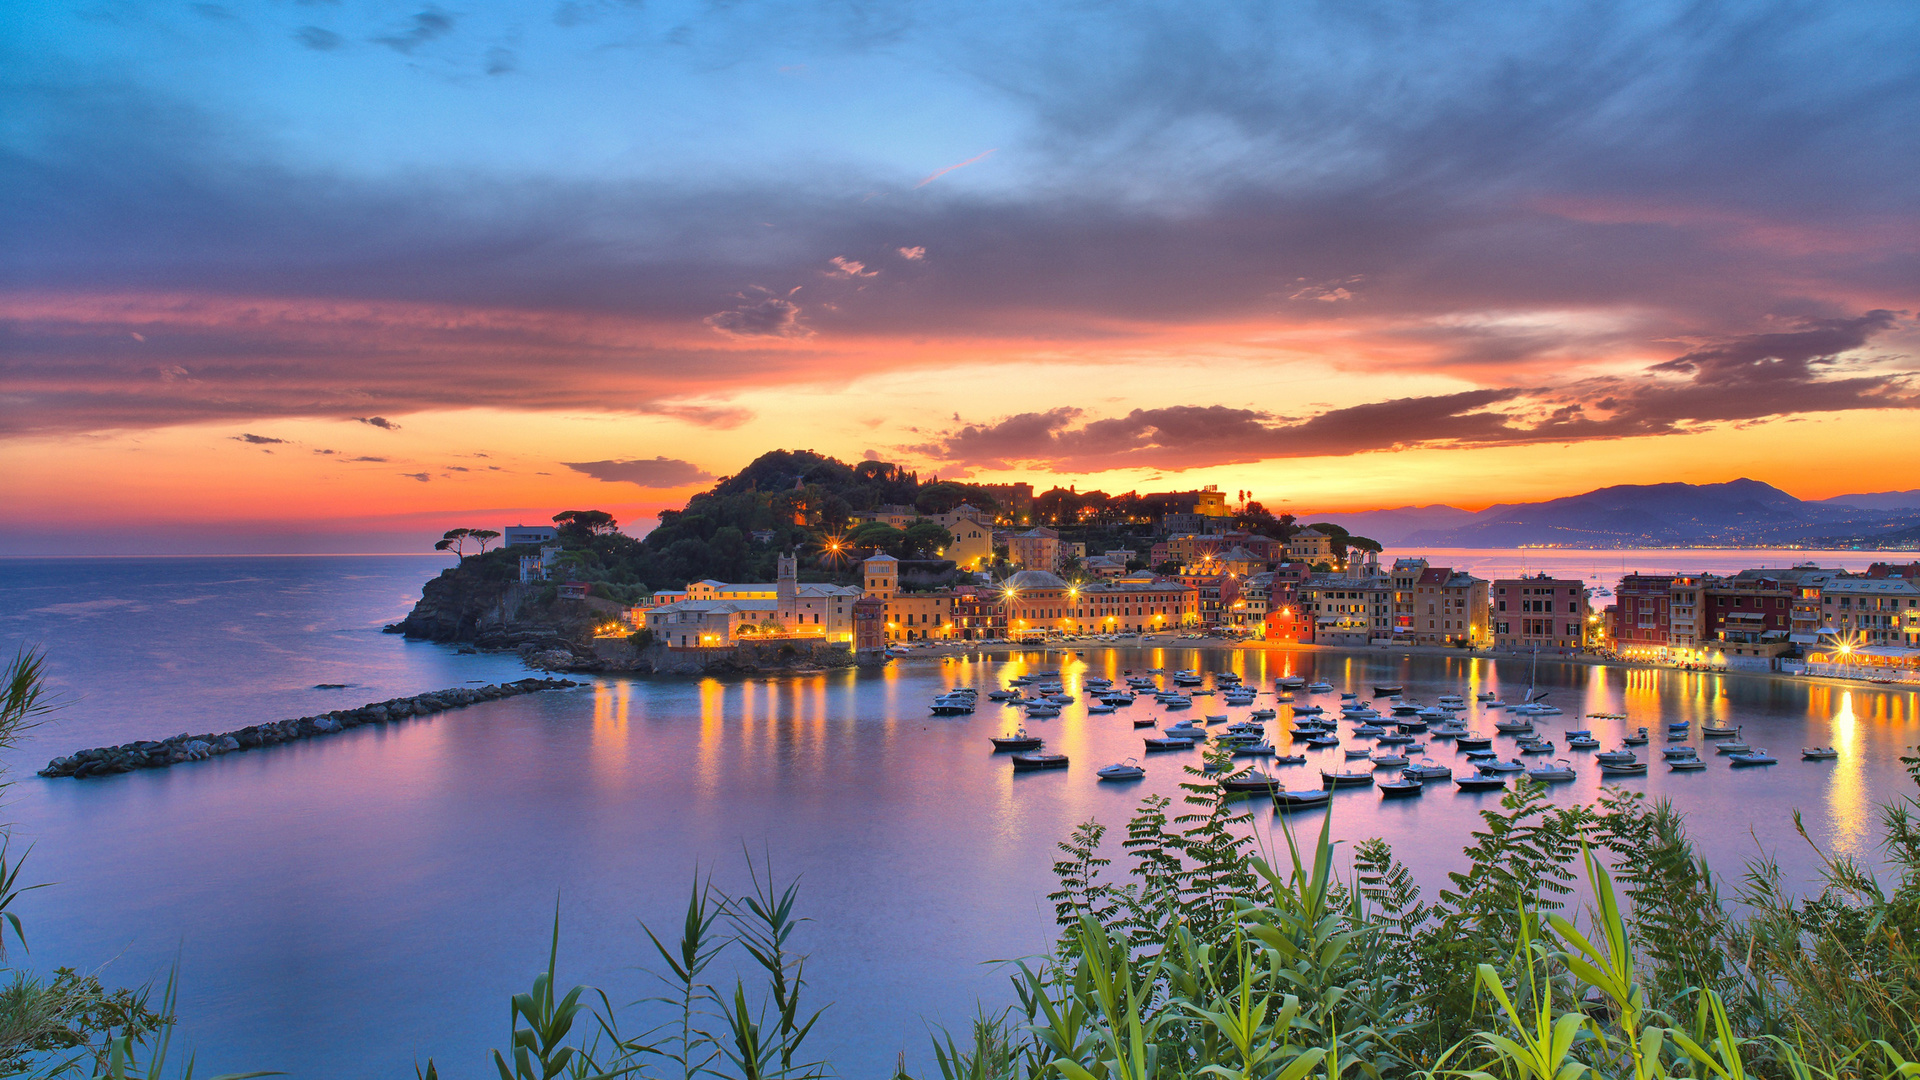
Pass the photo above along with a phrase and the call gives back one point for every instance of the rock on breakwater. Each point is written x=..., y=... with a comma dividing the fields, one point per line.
x=158, y=754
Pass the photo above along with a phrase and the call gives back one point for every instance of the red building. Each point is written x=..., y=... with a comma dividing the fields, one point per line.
x=1643, y=612
x=1288, y=620
x=869, y=624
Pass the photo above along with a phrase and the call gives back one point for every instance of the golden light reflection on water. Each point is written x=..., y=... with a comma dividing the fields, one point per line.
x=1848, y=806
x=611, y=703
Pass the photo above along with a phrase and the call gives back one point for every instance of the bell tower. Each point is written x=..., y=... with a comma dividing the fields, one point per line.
x=786, y=588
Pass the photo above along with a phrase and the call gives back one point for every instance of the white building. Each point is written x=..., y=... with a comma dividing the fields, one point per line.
x=528, y=534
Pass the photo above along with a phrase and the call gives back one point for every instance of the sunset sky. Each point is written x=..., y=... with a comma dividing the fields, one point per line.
x=341, y=274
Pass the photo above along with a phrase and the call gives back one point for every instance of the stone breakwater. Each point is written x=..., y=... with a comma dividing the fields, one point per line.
x=105, y=760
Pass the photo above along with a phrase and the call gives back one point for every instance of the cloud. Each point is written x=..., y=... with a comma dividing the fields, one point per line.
x=380, y=460
x=844, y=267
x=318, y=38
x=1744, y=380
x=718, y=417
x=257, y=440
x=425, y=26
x=501, y=61
x=1529, y=198
x=912, y=254
x=938, y=173
x=761, y=314
x=660, y=472
x=420, y=476
x=380, y=422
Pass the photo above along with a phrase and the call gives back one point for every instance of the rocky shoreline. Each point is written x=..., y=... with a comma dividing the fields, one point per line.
x=158, y=754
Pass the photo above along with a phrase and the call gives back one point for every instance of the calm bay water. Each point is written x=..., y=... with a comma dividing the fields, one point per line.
x=341, y=906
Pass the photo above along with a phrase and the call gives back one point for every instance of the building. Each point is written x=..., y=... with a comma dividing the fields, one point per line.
x=1404, y=577
x=972, y=546
x=1643, y=606
x=1867, y=611
x=715, y=613
x=1016, y=501
x=1187, y=547
x=1539, y=613
x=1310, y=545
x=1035, y=549
x=1349, y=610
x=927, y=616
x=512, y=535
x=1037, y=603
x=1450, y=608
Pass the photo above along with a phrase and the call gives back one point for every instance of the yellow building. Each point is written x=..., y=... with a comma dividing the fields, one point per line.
x=972, y=546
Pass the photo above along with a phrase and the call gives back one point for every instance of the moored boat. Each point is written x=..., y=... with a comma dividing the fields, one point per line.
x=1557, y=773
x=1129, y=769
x=1286, y=802
x=1758, y=756
x=1036, y=762
x=1480, y=782
x=1404, y=788
x=1818, y=753
x=1332, y=780
x=1019, y=740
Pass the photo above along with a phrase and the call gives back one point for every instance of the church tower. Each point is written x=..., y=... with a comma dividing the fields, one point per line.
x=786, y=589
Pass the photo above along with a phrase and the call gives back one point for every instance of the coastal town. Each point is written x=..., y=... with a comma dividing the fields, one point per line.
x=1197, y=571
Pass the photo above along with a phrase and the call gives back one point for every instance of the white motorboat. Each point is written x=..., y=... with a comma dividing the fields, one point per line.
x=1256, y=749
x=1733, y=748
x=1450, y=701
x=1390, y=761
x=1582, y=742
x=1557, y=773
x=1719, y=731
x=1623, y=768
x=1818, y=753
x=1428, y=769
x=1129, y=769
x=1319, y=688
x=1620, y=756
x=1757, y=756
x=1680, y=753
x=1098, y=709
x=1502, y=766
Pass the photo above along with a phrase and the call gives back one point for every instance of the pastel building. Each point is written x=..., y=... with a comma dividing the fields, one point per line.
x=1539, y=613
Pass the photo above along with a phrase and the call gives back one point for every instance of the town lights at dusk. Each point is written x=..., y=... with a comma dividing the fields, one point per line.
x=509, y=504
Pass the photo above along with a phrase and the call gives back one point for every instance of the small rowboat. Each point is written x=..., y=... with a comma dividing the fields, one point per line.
x=1818, y=753
x=1144, y=721
x=1481, y=782
x=1386, y=691
x=1753, y=757
x=1719, y=731
x=1473, y=742
x=1036, y=762
x=1623, y=768
x=1687, y=764
x=1403, y=788
x=1346, y=779
x=1155, y=746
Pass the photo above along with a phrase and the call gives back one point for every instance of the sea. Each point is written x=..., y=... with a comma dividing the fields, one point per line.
x=352, y=905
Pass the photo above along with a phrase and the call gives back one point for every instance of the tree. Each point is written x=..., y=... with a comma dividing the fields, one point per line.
x=1257, y=519
x=455, y=541
x=484, y=536
x=586, y=523
x=925, y=538
x=878, y=536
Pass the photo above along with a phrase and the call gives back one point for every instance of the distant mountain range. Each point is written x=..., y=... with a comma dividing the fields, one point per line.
x=1738, y=513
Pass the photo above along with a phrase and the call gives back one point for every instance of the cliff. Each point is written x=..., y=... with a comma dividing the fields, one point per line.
x=482, y=603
